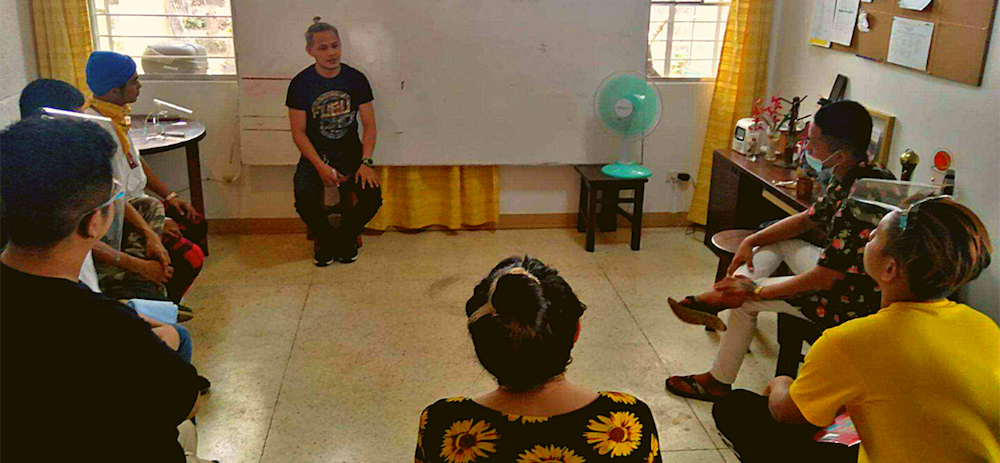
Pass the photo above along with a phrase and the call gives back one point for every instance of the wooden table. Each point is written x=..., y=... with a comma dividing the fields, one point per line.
x=743, y=194
x=189, y=133
x=596, y=187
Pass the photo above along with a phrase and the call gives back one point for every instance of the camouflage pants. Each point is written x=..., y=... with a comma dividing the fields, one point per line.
x=117, y=282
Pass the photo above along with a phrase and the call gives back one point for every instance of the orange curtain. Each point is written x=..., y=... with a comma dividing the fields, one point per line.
x=415, y=197
x=63, y=40
x=742, y=78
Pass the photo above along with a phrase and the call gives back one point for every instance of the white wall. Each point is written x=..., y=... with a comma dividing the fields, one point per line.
x=266, y=192
x=930, y=113
x=18, y=60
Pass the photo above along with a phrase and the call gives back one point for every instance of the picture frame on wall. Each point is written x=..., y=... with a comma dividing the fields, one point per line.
x=878, y=147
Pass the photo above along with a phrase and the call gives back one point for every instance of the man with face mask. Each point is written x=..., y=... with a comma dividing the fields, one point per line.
x=88, y=369
x=830, y=285
x=325, y=102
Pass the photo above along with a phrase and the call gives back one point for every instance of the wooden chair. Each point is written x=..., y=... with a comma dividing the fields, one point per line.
x=346, y=203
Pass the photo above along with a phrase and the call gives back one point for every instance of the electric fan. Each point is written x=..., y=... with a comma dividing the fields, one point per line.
x=629, y=106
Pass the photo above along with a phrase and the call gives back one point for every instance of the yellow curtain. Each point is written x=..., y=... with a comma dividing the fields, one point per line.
x=415, y=197
x=62, y=36
x=742, y=78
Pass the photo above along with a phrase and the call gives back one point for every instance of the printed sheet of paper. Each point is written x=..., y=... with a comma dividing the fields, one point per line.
x=821, y=22
x=845, y=17
x=918, y=5
x=910, y=43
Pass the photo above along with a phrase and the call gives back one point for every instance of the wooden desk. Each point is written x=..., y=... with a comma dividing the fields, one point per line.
x=743, y=196
x=592, y=182
x=193, y=132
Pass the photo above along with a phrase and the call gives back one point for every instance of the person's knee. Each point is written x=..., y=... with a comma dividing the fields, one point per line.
x=169, y=335
x=731, y=409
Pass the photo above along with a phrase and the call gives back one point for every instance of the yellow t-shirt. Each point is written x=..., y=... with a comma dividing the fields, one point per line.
x=921, y=382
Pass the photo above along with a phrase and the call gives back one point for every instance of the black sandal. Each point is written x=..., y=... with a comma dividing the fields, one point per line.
x=699, y=391
x=691, y=311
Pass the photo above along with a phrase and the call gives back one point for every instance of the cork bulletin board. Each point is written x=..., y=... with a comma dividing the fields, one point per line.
x=959, y=44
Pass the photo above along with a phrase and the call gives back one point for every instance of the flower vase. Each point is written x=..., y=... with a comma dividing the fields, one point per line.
x=773, y=138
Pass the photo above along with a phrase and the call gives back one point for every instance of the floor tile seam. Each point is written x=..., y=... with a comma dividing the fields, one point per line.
x=284, y=373
x=658, y=356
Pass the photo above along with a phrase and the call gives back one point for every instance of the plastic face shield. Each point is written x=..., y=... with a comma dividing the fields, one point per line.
x=115, y=206
x=871, y=199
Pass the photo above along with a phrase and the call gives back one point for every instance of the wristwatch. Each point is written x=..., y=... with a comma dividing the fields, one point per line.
x=368, y=162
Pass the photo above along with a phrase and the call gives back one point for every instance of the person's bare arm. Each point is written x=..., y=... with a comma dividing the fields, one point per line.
x=153, y=181
x=152, y=270
x=297, y=119
x=194, y=409
x=780, y=403
x=365, y=176
x=369, y=133
x=786, y=229
x=817, y=279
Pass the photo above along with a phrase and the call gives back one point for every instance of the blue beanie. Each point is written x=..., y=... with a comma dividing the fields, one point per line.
x=107, y=70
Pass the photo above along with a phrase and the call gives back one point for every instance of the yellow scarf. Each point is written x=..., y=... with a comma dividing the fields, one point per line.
x=121, y=121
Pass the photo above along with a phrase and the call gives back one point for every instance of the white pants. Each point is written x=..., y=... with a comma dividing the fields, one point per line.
x=187, y=435
x=800, y=257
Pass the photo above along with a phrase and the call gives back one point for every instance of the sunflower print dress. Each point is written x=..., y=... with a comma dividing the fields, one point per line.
x=615, y=427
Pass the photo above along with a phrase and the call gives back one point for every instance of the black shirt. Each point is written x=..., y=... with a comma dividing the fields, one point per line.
x=85, y=378
x=331, y=106
x=614, y=427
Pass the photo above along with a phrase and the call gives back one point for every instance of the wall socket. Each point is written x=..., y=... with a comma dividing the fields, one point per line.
x=678, y=177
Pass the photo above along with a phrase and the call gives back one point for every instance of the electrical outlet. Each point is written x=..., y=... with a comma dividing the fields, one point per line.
x=673, y=176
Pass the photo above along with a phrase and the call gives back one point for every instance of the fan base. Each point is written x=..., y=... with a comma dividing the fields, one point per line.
x=626, y=171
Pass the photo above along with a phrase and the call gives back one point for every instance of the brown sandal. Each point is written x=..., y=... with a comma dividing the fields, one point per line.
x=699, y=391
x=691, y=311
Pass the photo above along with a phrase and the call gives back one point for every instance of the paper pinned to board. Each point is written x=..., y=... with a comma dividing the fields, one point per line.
x=917, y=5
x=822, y=20
x=910, y=43
x=845, y=18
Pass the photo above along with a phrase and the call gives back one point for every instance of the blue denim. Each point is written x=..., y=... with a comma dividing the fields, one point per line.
x=187, y=346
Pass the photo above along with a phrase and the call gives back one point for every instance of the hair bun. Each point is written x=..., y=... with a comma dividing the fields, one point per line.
x=517, y=296
x=317, y=19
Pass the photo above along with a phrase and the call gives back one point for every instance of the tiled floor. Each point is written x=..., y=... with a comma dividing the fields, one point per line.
x=335, y=364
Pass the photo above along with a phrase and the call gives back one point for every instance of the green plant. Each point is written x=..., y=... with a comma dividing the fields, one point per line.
x=194, y=23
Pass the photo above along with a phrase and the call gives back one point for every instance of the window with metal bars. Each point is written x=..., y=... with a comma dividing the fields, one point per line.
x=169, y=38
x=685, y=38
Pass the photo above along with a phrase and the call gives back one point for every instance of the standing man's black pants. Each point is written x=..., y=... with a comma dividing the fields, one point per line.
x=309, y=190
x=743, y=417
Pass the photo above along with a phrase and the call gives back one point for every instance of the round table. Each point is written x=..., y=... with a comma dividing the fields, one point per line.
x=178, y=133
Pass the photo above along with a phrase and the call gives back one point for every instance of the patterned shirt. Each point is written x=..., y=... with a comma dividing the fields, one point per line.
x=614, y=427
x=847, y=229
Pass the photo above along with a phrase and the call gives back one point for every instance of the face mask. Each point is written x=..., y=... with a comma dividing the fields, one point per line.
x=817, y=165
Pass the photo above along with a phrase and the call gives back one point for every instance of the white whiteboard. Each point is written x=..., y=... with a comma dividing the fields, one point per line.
x=456, y=81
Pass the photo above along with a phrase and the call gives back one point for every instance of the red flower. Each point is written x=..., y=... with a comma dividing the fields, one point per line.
x=865, y=234
x=845, y=299
x=853, y=269
x=820, y=312
x=838, y=244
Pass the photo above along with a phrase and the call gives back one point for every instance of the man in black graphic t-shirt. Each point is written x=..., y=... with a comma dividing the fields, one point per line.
x=325, y=102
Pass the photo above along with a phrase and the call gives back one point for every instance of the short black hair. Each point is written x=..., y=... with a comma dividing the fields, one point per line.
x=528, y=339
x=846, y=125
x=49, y=93
x=319, y=26
x=944, y=246
x=53, y=172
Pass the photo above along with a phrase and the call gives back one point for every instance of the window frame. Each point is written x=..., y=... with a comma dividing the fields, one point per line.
x=670, y=41
x=96, y=37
